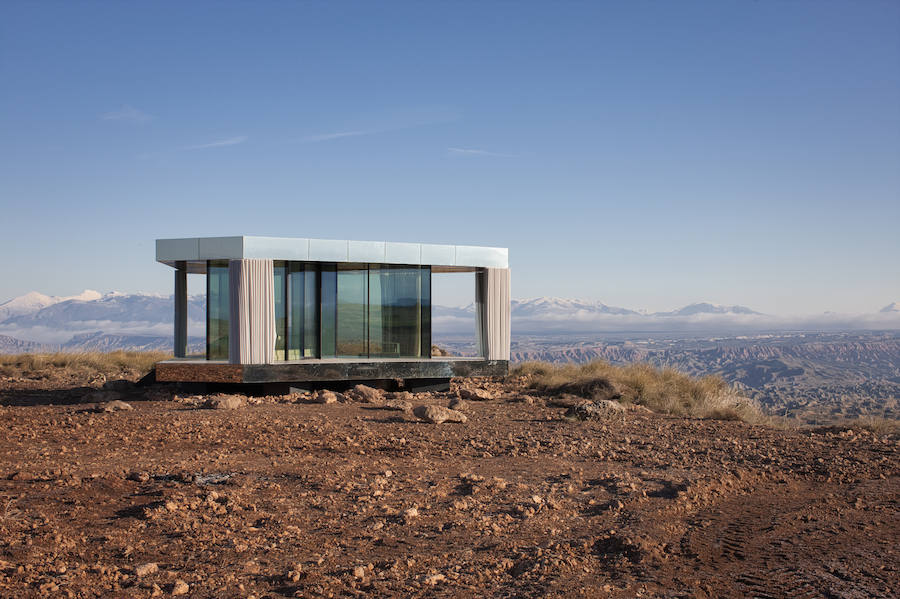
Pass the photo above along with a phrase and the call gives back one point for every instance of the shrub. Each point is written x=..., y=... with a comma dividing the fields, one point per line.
x=663, y=390
x=83, y=364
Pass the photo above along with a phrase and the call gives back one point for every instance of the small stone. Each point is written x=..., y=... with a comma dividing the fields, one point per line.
x=397, y=405
x=434, y=579
x=115, y=406
x=140, y=477
x=224, y=402
x=594, y=410
x=438, y=414
x=359, y=572
x=410, y=513
x=146, y=569
x=365, y=394
x=476, y=394
x=180, y=588
x=325, y=396
x=458, y=404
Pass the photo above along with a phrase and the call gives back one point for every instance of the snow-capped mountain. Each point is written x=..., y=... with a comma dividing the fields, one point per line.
x=57, y=321
x=708, y=308
x=140, y=321
x=544, y=306
x=33, y=301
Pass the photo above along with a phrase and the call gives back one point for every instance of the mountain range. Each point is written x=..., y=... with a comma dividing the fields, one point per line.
x=94, y=321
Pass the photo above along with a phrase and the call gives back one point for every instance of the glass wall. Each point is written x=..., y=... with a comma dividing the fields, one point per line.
x=396, y=310
x=217, y=310
x=280, y=274
x=328, y=309
x=303, y=304
x=335, y=310
x=352, y=338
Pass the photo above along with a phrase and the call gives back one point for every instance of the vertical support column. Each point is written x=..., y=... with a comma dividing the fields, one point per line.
x=252, y=325
x=180, y=309
x=492, y=315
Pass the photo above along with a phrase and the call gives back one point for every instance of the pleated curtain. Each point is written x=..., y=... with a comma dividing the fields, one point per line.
x=492, y=318
x=252, y=330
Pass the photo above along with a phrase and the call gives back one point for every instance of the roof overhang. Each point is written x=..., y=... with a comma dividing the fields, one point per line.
x=448, y=258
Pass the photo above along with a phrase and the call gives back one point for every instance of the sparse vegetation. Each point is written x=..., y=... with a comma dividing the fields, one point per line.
x=663, y=390
x=117, y=364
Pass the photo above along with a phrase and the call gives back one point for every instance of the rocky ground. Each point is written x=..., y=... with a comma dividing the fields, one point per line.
x=364, y=495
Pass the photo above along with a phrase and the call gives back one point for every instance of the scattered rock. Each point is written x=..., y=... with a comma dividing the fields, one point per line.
x=458, y=404
x=365, y=394
x=360, y=572
x=140, y=477
x=402, y=396
x=594, y=410
x=476, y=394
x=180, y=588
x=410, y=513
x=146, y=569
x=434, y=579
x=325, y=396
x=396, y=404
x=224, y=402
x=438, y=414
x=114, y=406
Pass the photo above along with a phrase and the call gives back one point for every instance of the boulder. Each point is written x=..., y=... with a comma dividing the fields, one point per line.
x=438, y=414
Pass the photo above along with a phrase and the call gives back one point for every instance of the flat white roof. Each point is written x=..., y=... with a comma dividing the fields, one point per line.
x=195, y=249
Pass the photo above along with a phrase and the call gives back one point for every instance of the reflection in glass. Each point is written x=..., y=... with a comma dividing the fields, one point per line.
x=217, y=310
x=395, y=310
x=352, y=297
x=328, y=318
x=303, y=341
x=425, y=311
x=280, y=271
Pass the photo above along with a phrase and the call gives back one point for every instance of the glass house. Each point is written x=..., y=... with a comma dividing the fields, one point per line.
x=286, y=310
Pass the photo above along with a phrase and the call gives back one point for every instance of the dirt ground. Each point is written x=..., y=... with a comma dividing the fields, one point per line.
x=282, y=497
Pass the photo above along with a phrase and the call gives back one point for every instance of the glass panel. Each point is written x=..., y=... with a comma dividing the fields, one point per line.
x=425, y=311
x=352, y=291
x=329, y=309
x=280, y=310
x=395, y=311
x=303, y=339
x=217, y=310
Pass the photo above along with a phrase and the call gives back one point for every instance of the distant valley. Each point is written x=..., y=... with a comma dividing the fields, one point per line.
x=815, y=368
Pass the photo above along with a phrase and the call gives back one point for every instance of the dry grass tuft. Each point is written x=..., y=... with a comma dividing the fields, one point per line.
x=873, y=424
x=663, y=390
x=117, y=364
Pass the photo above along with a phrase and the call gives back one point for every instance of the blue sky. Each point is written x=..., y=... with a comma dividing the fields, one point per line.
x=646, y=154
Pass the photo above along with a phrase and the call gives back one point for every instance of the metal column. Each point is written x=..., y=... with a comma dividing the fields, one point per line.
x=180, y=309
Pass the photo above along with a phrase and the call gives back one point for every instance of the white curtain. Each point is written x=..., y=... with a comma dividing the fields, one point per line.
x=252, y=330
x=492, y=313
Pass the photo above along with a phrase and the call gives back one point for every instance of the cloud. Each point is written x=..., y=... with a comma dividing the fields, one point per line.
x=231, y=141
x=127, y=113
x=477, y=152
x=330, y=136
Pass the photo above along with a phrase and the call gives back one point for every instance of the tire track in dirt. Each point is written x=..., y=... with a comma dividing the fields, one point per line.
x=759, y=545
